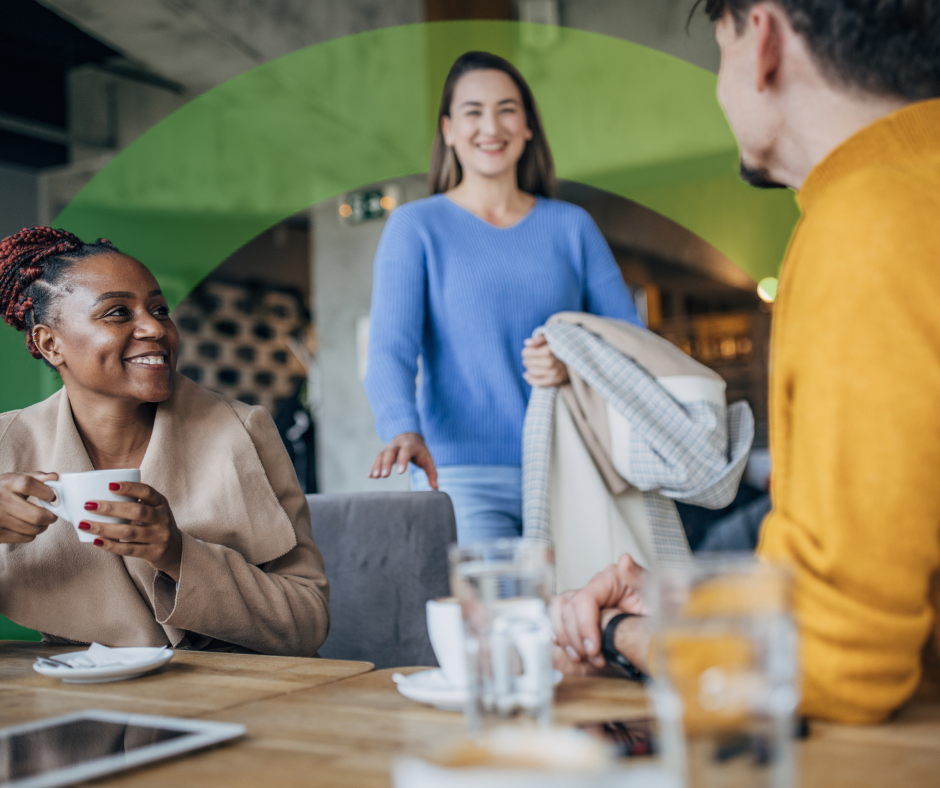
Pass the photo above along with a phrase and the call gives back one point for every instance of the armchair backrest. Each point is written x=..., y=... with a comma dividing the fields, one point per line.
x=385, y=557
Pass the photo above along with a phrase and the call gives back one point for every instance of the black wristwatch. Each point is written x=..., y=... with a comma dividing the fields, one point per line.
x=614, y=658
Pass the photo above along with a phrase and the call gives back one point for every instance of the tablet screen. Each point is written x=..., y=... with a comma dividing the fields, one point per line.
x=79, y=747
x=34, y=752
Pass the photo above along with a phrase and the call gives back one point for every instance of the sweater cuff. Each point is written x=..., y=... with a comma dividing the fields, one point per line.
x=168, y=595
x=392, y=429
x=165, y=591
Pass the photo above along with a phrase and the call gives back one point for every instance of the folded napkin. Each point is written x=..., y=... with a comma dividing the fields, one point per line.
x=99, y=656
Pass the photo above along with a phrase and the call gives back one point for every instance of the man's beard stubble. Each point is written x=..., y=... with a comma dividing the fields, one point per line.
x=759, y=177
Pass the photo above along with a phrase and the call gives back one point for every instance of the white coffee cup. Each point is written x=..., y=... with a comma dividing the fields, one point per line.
x=74, y=490
x=445, y=628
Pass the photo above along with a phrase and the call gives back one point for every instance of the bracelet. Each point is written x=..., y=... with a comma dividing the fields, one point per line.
x=614, y=658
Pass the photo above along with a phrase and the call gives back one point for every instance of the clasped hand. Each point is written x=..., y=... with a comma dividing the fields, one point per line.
x=579, y=616
x=151, y=535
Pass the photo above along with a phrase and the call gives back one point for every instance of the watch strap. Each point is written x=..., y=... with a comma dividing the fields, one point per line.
x=614, y=658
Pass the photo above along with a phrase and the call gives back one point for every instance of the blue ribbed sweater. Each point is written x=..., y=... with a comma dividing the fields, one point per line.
x=463, y=295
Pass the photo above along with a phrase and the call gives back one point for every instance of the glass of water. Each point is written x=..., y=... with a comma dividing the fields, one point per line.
x=503, y=587
x=724, y=658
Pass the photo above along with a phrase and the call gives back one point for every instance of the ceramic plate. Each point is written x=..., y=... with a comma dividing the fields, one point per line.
x=430, y=686
x=147, y=662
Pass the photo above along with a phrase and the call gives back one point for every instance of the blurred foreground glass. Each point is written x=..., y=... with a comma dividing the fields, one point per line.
x=724, y=658
x=503, y=587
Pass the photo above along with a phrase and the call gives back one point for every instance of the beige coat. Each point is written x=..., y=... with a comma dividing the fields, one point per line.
x=250, y=576
x=588, y=408
x=584, y=451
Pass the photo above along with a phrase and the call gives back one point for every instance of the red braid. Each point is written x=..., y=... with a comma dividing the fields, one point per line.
x=21, y=263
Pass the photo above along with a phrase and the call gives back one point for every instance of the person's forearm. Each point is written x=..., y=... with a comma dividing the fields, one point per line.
x=390, y=388
x=221, y=595
x=632, y=639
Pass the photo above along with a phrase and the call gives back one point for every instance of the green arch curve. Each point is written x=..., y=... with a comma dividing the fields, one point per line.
x=360, y=109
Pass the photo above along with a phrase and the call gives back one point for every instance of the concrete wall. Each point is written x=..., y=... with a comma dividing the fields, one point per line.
x=195, y=45
x=201, y=43
x=660, y=24
x=107, y=112
x=342, y=275
x=274, y=29
x=19, y=204
x=23, y=380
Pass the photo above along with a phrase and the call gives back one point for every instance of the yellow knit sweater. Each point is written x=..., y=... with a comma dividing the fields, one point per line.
x=855, y=419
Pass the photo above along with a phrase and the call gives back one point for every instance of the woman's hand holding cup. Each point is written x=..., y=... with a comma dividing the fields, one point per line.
x=20, y=520
x=150, y=534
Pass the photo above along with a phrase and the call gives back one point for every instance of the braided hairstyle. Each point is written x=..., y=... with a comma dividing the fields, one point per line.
x=32, y=264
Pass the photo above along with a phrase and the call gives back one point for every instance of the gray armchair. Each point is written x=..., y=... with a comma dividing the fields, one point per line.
x=385, y=556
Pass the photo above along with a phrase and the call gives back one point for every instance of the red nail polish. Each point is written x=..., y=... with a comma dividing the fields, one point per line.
x=91, y=506
x=99, y=543
x=84, y=526
x=114, y=486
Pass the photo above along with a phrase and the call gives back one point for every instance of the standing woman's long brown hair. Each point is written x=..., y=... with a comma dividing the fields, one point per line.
x=535, y=171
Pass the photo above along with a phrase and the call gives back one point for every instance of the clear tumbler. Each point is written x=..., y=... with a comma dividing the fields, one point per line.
x=724, y=658
x=503, y=587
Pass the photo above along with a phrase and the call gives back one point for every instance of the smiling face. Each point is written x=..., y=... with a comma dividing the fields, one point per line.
x=112, y=335
x=487, y=126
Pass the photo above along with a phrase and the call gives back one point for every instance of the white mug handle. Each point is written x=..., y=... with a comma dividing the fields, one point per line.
x=57, y=508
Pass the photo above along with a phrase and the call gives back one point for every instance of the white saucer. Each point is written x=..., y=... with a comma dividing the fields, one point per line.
x=430, y=687
x=105, y=673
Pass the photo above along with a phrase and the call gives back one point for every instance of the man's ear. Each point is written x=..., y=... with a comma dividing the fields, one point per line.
x=45, y=340
x=769, y=44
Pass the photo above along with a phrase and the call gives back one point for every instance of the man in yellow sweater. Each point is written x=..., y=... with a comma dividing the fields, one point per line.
x=837, y=99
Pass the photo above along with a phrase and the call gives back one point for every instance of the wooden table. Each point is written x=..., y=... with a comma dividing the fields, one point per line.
x=344, y=731
x=346, y=734
x=193, y=684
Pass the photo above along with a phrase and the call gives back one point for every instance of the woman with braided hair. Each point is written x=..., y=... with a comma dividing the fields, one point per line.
x=218, y=552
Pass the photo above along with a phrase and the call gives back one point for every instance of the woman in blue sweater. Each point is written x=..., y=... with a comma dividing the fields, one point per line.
x=462, y=279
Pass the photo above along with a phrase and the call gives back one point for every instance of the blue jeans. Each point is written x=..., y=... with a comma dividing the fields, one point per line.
x=487, y=499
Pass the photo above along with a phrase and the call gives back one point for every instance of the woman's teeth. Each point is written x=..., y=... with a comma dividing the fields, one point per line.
x=147, y=360
x=493, y=146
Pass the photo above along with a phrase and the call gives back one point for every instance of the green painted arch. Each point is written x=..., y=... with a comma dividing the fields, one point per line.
x=361, y=109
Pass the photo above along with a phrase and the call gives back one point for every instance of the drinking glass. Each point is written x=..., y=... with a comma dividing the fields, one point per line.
x=503, y=587
x=724, y=658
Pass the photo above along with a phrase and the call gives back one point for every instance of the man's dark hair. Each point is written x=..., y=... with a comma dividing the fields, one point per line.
x=887, y=47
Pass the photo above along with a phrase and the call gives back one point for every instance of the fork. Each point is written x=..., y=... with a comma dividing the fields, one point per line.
x=55, y=662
